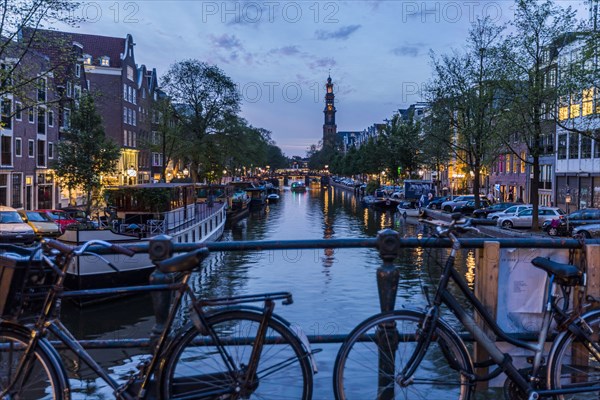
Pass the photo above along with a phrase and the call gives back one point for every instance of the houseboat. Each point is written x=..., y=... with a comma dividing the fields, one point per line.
x=298, y=187
x=137, y=213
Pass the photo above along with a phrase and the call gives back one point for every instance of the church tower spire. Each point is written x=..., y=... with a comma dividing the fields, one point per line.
x=329, y=127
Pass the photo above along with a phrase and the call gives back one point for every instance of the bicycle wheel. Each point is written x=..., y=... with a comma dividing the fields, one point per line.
x=41, y=379
x=371, y=358
x=194, y=367
x=572, y=364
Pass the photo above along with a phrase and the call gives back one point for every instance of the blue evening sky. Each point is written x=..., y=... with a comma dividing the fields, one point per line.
x=280, y=52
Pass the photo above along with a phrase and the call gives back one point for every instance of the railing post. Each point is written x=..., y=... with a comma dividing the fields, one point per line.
x=486, y=290
x=388, y=244
x=160, y=248
x=592, y=256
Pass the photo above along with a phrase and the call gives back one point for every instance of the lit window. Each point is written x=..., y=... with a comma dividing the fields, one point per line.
x=105, y=61
x=87, y=59
x=522, y=162
x=588, y=97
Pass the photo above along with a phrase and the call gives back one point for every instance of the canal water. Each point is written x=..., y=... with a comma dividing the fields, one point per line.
x=333, y=290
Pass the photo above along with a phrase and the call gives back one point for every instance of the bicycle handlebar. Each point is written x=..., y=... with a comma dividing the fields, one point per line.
x=79, y=250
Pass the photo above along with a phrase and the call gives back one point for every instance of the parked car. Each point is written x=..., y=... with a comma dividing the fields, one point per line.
x=449, y=205
x=509, y=211
x=588, y=231
x=585, y=216
x=42, y=224
x=436, y=202
x=12, y=227
x=484, y=212
x=60, y=217
x=524, y=218
x=468, y=208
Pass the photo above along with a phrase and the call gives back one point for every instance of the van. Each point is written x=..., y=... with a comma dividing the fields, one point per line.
x=12, y=227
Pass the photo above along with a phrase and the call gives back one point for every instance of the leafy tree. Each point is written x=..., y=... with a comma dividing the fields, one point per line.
x=17, y=75
x=86, y=154
x=465, y=92
x=538, y=28
x=205, y=99
x=402, y=145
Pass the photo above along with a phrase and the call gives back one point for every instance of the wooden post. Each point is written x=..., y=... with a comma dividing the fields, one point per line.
x=592, y=254
x=486, y=290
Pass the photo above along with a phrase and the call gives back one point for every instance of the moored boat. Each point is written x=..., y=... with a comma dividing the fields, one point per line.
x=298, y=187
x=273, y=198
x=140, y=212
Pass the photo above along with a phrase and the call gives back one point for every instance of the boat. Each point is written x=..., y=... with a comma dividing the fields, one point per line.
x=137, y=213
x=258, y=197
x=239, y=206
x=382, y=199
x=298, y=187
x=273, y=198
x=410, y=209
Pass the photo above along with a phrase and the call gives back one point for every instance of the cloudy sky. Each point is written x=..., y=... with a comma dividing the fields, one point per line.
x=281, y=52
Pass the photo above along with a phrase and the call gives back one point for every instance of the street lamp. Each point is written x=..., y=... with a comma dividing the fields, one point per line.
x=186, y=172
x=568, y=201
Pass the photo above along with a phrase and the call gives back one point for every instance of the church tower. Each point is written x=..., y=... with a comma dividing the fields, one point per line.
x=329, y=127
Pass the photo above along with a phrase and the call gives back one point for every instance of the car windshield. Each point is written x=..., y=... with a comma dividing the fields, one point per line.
x=511, y=209
x=10, y=217
x=58, y=215
x=37, y=217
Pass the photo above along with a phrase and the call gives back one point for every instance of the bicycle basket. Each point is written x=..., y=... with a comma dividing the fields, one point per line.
x=24, y=282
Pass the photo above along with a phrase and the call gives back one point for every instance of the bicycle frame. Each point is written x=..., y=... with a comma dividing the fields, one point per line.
x=45, y=323
x=503, y=361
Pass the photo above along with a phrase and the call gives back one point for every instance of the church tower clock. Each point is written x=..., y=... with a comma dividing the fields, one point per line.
x=329, y=127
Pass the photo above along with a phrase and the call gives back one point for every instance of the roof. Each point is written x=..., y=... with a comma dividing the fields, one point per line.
x=95, y=45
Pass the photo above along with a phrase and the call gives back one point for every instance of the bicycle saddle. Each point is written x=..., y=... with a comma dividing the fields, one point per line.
x=567, y=274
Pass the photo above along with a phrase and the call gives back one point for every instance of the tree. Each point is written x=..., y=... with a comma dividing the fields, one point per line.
x=205, y=99
x=530, y=50
x=86, y=154
x=436, y=135
x=465, y=92
x=16, y=16
x=402, y=144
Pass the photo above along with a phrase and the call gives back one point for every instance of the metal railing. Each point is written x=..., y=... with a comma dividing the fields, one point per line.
x=388, y=243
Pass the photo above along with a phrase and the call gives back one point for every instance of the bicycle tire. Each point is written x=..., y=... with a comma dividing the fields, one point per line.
x=572, y=364
x=284, y=370
x=45, y=378
x=357, y=375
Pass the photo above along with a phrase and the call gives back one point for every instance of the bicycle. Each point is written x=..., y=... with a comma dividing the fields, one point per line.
x=232, y=351
x=414, y=354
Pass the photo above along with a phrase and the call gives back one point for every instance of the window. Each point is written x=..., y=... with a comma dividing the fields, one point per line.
x=588, y=106
x=30, y=148
x=133, y=95
x=125, y=92
x=50, y=150
x=17, y=192
x=156, y=159
x=125, y=138
x=596, y=147
x=6, y=151
x=41, y=89
x=6, y=114
x=573, y=145
x=507, y=157
x=41, y=125
x=129, y=116
x=66, y=118
x=50, y=118
x=87, y=59
x=18, y=111
x=69, y=89
x=30, y=115
x=41, y=153
x=563, y=108
x=134, y=137
x=586, y=146
x=18, y=147
x=562, y=146
x=129, y=72
x=3, y=189
x=133, y=118
x=105, y=61
x=125, y=114
x=77, y=92
x=77, y=70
